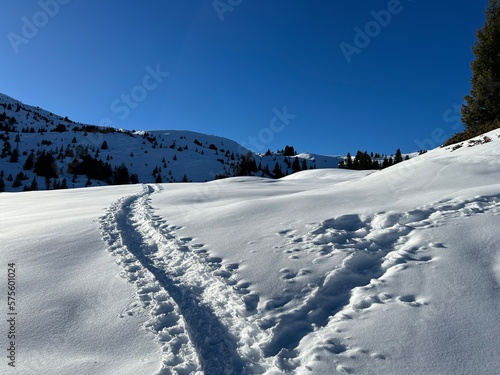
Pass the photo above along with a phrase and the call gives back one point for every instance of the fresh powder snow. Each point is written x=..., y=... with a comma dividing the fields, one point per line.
x=325, y=271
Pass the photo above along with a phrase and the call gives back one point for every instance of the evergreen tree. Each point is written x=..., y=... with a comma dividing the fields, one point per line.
x=6, y=150
x=48, y=183
x=2, y=182
x=134, y=178
x=121, y=175
x=278, y=173
x=14, y=156
x=34, y=184
x=289, y=151
x=247, y=165
x=398, y=157
x=295, y=165
x=481, y=112
x=45, y=165
x=17, y=182
x=349, y=161
x=385, y=163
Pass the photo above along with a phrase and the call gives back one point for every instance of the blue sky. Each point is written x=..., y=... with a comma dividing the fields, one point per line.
x=263, y=73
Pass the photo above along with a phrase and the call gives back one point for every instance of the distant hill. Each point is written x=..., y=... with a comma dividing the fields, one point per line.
x=42, y=150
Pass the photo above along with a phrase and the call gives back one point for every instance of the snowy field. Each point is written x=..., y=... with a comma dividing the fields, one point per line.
x=323, y=272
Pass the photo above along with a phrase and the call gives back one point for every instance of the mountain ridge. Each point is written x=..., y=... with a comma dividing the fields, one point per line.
x=91, y=155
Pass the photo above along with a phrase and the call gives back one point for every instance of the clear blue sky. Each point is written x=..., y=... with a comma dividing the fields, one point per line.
x=233, y=68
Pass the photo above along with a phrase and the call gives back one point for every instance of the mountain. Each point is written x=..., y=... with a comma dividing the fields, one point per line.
x=324, y=271
x=89, y=155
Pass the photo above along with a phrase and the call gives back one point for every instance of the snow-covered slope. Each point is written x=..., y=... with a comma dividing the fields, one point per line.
x=322, y=272
x=166, y=156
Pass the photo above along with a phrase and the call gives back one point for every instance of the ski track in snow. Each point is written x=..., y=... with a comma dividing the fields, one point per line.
x=202, y=317
x=208, y=323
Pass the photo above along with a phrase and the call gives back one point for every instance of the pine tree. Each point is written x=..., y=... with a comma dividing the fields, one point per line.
x=14, y=156
x=295, y=165
x=34, y=184
x=481, y=112
x=278, y=173
x=2, y=182
x=6, y=150
x=45, y=165
x=121, y=175
x=349, y=161
x=385, y=163
x=134, y=178
x=399, y=157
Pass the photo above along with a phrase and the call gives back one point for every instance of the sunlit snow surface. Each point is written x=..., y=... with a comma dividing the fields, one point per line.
x=323, y=272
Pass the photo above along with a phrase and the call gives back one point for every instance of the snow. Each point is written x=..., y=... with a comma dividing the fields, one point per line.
x=324, y=271
x=69, y=294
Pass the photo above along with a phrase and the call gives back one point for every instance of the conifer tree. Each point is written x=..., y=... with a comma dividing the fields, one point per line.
x=2, y=183
x=14, y=156
x=17, y=182
x=349, y=160
x=278, y=173
x=34, y=184
x=481, y=112
x=295, y=165
x=398, y=157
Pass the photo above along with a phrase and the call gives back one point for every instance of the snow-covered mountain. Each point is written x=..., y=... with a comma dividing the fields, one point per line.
x=325, y=271
x=166, y=156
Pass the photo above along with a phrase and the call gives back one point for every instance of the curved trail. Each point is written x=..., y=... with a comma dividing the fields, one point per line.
x=202, y=322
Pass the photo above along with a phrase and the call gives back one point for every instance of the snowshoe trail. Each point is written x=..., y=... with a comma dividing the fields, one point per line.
x=203, y=323
x=367, y=248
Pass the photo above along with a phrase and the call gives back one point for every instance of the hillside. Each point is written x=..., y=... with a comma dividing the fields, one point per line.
x=89, y=155
x=321, y=272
